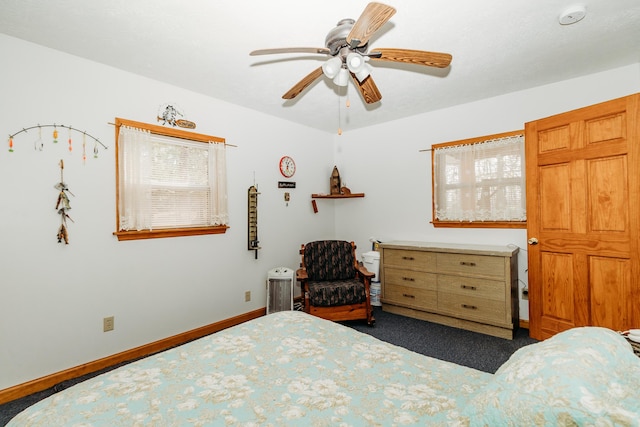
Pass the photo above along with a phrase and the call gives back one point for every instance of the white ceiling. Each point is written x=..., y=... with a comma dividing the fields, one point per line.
x=498, y=46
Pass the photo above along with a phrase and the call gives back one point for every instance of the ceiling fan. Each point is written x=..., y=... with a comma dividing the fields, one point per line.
x=348, y=45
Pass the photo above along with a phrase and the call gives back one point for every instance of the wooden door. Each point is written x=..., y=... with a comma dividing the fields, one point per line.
x=583, y=192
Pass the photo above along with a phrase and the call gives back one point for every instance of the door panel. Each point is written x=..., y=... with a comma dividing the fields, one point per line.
x=557, y=287
x=608, y=194
x=583, y=192
x=610, y=278
x=555, y=183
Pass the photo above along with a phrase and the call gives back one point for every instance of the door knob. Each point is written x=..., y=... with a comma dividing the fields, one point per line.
x=532, y=241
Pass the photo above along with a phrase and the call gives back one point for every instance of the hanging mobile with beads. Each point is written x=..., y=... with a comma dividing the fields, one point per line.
x=39, y=145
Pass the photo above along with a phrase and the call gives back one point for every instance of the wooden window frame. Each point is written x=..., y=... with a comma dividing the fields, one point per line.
x=161, y=232
x=471, y=224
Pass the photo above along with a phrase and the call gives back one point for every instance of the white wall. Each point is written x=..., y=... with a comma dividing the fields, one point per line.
x=53, y=297
x=386, y=164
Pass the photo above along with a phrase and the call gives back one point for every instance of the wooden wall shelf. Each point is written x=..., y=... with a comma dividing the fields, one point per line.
x=336, y=196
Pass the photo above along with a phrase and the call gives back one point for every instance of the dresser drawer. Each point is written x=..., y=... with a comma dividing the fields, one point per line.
x=412, y=260
x=472, y=287
x=421, y=298
x=471, y=265
x=478, y=309
x=414, y=279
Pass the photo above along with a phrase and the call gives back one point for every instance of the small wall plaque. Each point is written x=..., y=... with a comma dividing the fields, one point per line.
x=286, y=184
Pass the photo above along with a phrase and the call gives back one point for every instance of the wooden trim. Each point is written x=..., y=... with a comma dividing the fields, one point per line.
x=167, y=131
x=169, y=232
x=48, y=381
x=524, y=324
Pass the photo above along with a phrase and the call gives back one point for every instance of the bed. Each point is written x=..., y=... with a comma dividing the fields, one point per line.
x=293, y=369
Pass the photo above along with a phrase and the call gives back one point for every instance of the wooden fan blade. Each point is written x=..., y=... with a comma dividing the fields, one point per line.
x=374, y=16
x=321, y=50
x=418, y=57
x=368, y=89
x=302, y=84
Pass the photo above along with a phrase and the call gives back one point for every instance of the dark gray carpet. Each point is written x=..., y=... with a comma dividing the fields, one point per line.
x=479, y=351
x=471, y=349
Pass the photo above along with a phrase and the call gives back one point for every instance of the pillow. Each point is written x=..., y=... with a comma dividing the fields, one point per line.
x=583, y=376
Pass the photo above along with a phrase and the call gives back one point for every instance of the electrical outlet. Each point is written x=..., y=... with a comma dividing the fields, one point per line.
x=107, y=324
x=247, y=296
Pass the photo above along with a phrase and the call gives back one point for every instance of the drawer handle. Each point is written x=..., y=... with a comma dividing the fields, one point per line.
x=469, y=307
x=408, y=258
x=468, y=264
x=408, y=296
x=408, y=279
x=472, y=288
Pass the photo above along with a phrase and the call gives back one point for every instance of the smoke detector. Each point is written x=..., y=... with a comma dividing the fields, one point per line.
x=572, y=15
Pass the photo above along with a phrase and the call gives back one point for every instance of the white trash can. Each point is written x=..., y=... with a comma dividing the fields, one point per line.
x=371, y=261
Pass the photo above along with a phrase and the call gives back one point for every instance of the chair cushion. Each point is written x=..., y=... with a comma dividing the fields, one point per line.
x=339, y=292
x=329, y=260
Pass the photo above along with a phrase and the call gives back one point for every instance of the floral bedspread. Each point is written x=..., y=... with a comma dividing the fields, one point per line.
x=284, y=369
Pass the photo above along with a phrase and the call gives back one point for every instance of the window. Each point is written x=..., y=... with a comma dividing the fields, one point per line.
x=480, y=182
x=169, y=182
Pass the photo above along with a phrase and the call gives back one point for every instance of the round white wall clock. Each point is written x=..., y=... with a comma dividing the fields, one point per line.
x=287, y=166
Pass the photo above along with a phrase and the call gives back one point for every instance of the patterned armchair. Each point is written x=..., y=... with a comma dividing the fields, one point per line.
x=334, y=285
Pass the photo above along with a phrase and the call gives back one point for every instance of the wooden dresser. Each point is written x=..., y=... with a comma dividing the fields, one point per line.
x=472, y=287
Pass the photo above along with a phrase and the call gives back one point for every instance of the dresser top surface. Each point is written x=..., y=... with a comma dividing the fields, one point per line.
x=458, y=248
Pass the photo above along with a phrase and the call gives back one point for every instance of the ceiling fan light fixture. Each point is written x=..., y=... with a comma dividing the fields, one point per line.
x=355, y=62
x=332, y=67
x=357, y=65
x=342, y=79
x=363, y=73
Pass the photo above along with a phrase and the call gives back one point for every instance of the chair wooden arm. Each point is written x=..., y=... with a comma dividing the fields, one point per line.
x=362, y=270
x=301, y=274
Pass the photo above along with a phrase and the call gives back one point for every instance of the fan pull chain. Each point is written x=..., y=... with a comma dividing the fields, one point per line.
x=347, y=104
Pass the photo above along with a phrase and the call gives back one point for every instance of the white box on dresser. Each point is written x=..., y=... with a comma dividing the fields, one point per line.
x=472, y=287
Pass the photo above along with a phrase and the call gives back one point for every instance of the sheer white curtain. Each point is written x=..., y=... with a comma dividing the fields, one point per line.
x=167, y=182
x=484, y=181
x=134, y=159
x=218, y=184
